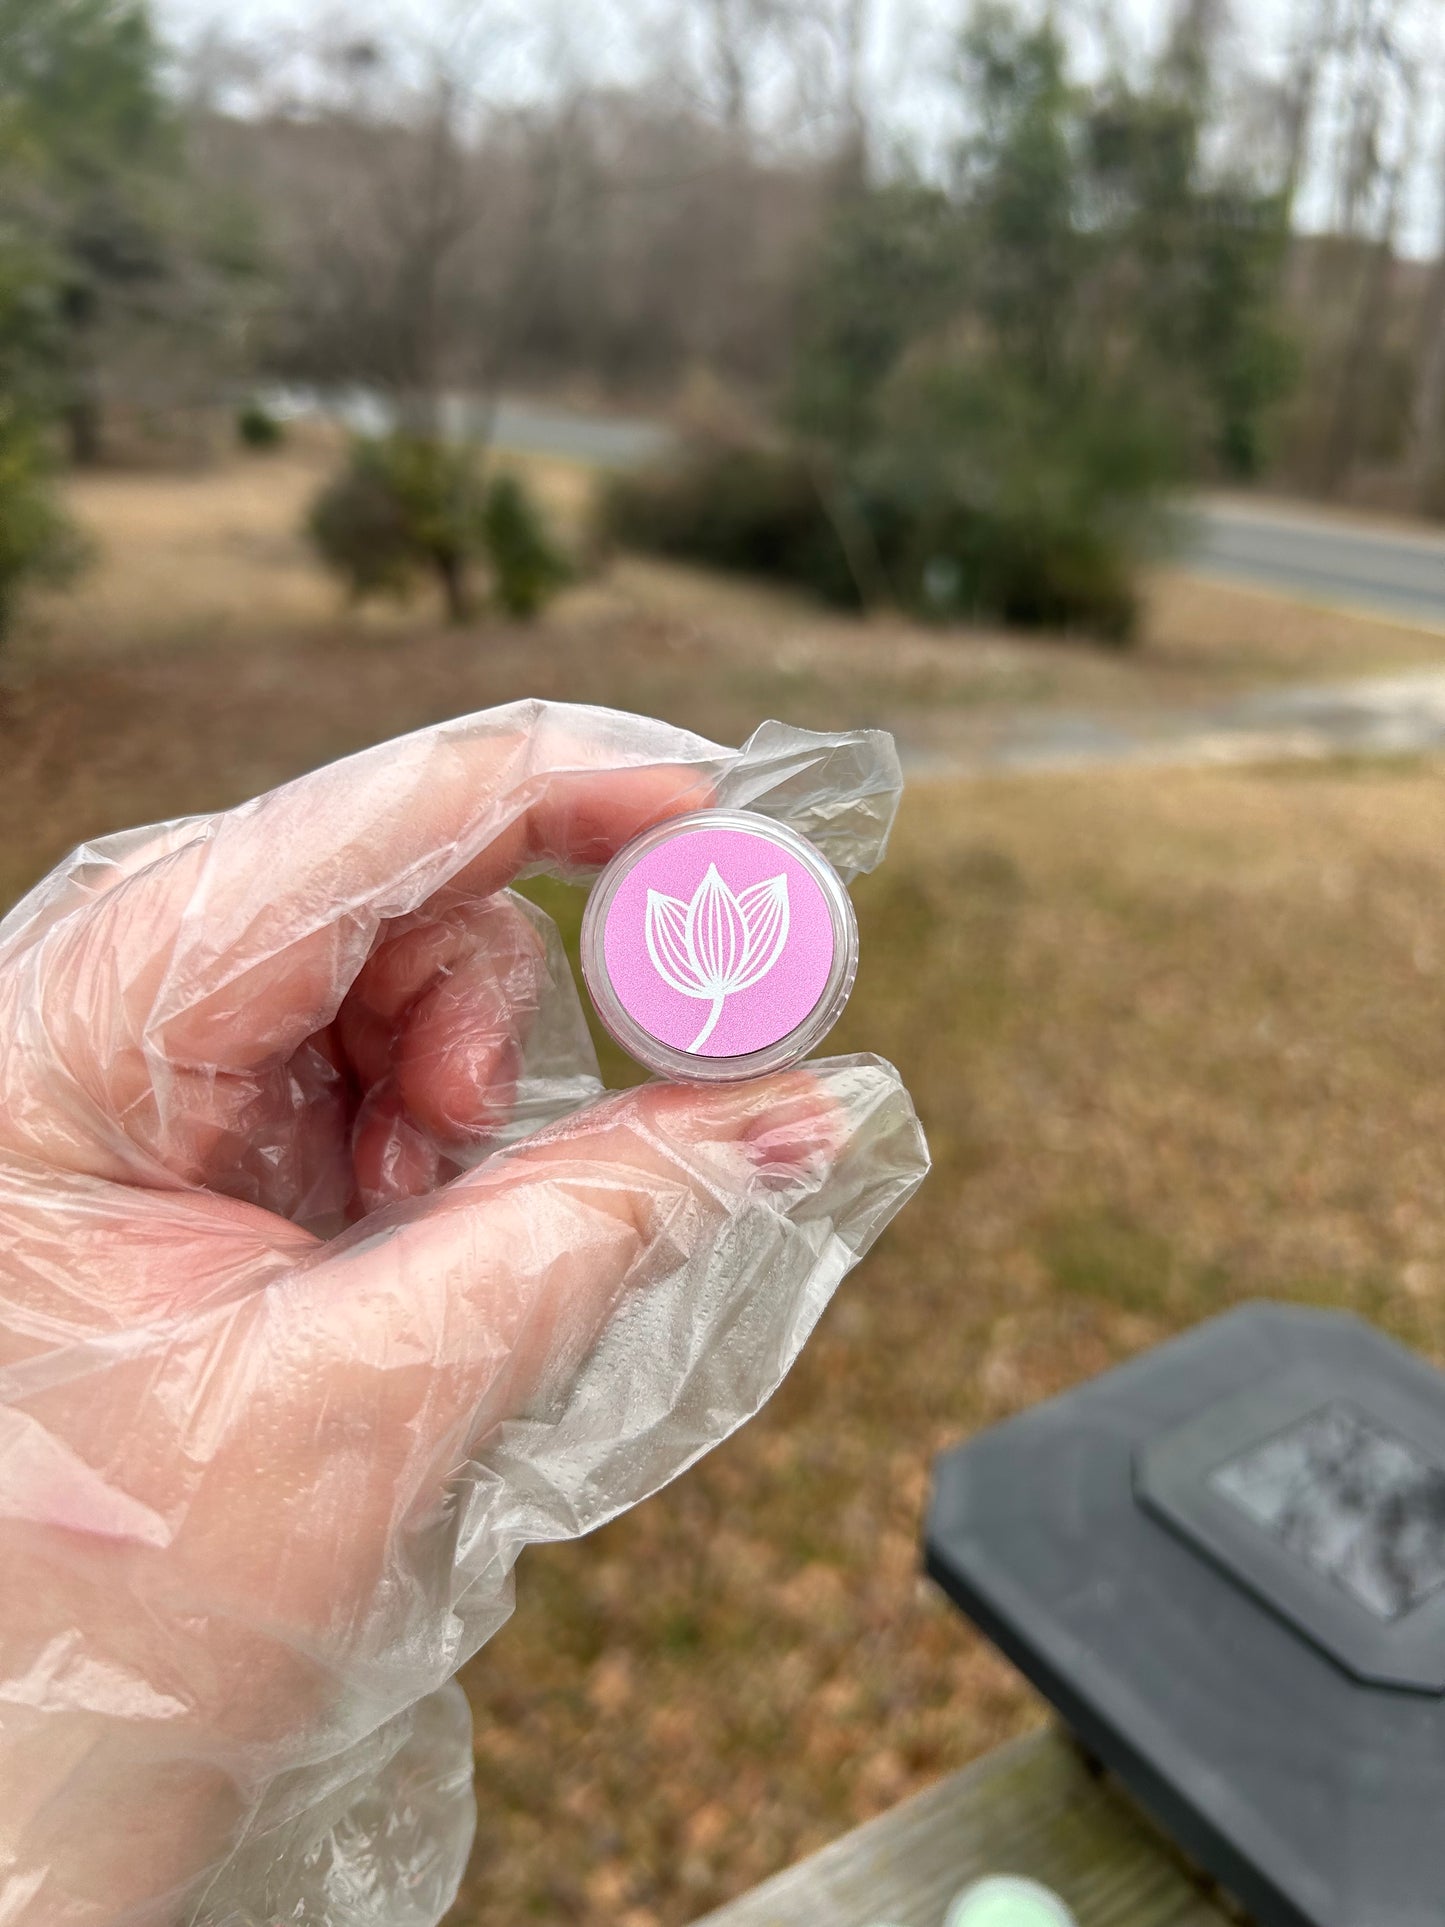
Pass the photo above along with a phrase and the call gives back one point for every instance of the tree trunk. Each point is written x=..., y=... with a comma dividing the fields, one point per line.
x=854, y=154
x=1427, y=426
x=1315, y=36
x=1364, y=174
x=1359, y=363
x=1193, y=46
x=452, y=574
x=83, y=428
x=729, y=38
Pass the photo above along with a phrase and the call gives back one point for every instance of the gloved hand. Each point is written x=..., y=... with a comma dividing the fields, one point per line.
x=329, y=1280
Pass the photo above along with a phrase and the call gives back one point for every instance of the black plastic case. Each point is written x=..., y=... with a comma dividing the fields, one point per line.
x=1224, y=1563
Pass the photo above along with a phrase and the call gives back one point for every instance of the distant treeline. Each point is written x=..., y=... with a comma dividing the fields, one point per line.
x=1084, y=287
x=628, y=244
x=421, y=233
x=383, y=211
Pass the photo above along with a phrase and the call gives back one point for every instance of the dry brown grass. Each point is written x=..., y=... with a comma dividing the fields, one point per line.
x=191, y=559
x=1217, y=635
x=212, y=557
x=1177, y=1043
x=217, y=560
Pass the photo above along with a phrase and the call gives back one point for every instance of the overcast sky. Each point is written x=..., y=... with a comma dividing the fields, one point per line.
x=612, y=24
x=1267, y=19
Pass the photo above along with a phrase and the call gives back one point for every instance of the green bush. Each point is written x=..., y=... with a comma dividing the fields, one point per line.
x=257, y=428
x=756, y=511
x=37, y=541
x=407, y=509
x=989, y=499
x=403, y=509
x=526, y=569
x=967, y=505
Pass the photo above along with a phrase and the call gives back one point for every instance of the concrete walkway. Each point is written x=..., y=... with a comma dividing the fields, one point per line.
x=1382, y=716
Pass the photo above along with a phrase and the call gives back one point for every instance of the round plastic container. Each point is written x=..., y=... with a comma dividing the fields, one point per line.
x=719, y=946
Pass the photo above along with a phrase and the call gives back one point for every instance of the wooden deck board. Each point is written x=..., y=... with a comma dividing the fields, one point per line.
x=1030, y=1808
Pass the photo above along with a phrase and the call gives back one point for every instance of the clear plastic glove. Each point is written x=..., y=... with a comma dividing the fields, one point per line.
x=329, y=1279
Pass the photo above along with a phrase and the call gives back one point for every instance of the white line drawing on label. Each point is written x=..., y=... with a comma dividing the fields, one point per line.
x=719, y=943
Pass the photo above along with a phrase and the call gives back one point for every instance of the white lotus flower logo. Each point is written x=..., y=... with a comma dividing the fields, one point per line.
x=719, y=943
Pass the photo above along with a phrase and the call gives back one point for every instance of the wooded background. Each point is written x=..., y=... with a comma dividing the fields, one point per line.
x=474, y=203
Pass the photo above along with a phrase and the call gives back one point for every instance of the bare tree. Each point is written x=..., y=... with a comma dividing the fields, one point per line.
x=1193, y=45
x=1377, y=161
x=733, y=47
x=830, y=44
x=408, y=205
x=1427, y=424
x=1314, y=36
x=780, y=75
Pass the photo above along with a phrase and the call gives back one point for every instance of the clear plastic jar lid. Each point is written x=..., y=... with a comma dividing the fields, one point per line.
x=719, y=946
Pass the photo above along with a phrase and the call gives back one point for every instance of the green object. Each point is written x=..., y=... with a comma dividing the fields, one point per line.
x=1007, y=1901
x=408, y=508
x=37, y=541
x=404, y=508
x=257, y=428
x=526, y=569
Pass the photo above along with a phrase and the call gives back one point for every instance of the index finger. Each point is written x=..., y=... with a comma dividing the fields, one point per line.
x=240, y=943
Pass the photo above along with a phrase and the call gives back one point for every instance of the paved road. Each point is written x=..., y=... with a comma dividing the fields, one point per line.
x=1321, y=558
x=612, y=441
x=609, y=441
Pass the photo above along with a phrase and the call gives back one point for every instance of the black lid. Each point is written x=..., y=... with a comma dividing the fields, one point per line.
x=1225, y=1563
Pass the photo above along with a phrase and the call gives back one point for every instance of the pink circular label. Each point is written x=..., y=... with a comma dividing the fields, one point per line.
x=718, y=942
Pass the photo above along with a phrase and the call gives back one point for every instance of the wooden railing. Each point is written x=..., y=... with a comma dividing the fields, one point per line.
x=1033, y=1807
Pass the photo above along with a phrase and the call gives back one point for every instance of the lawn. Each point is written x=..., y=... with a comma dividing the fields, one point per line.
x=1176, y=1039
x=205, y=655
x=1177, y=1043
x=215, y=563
